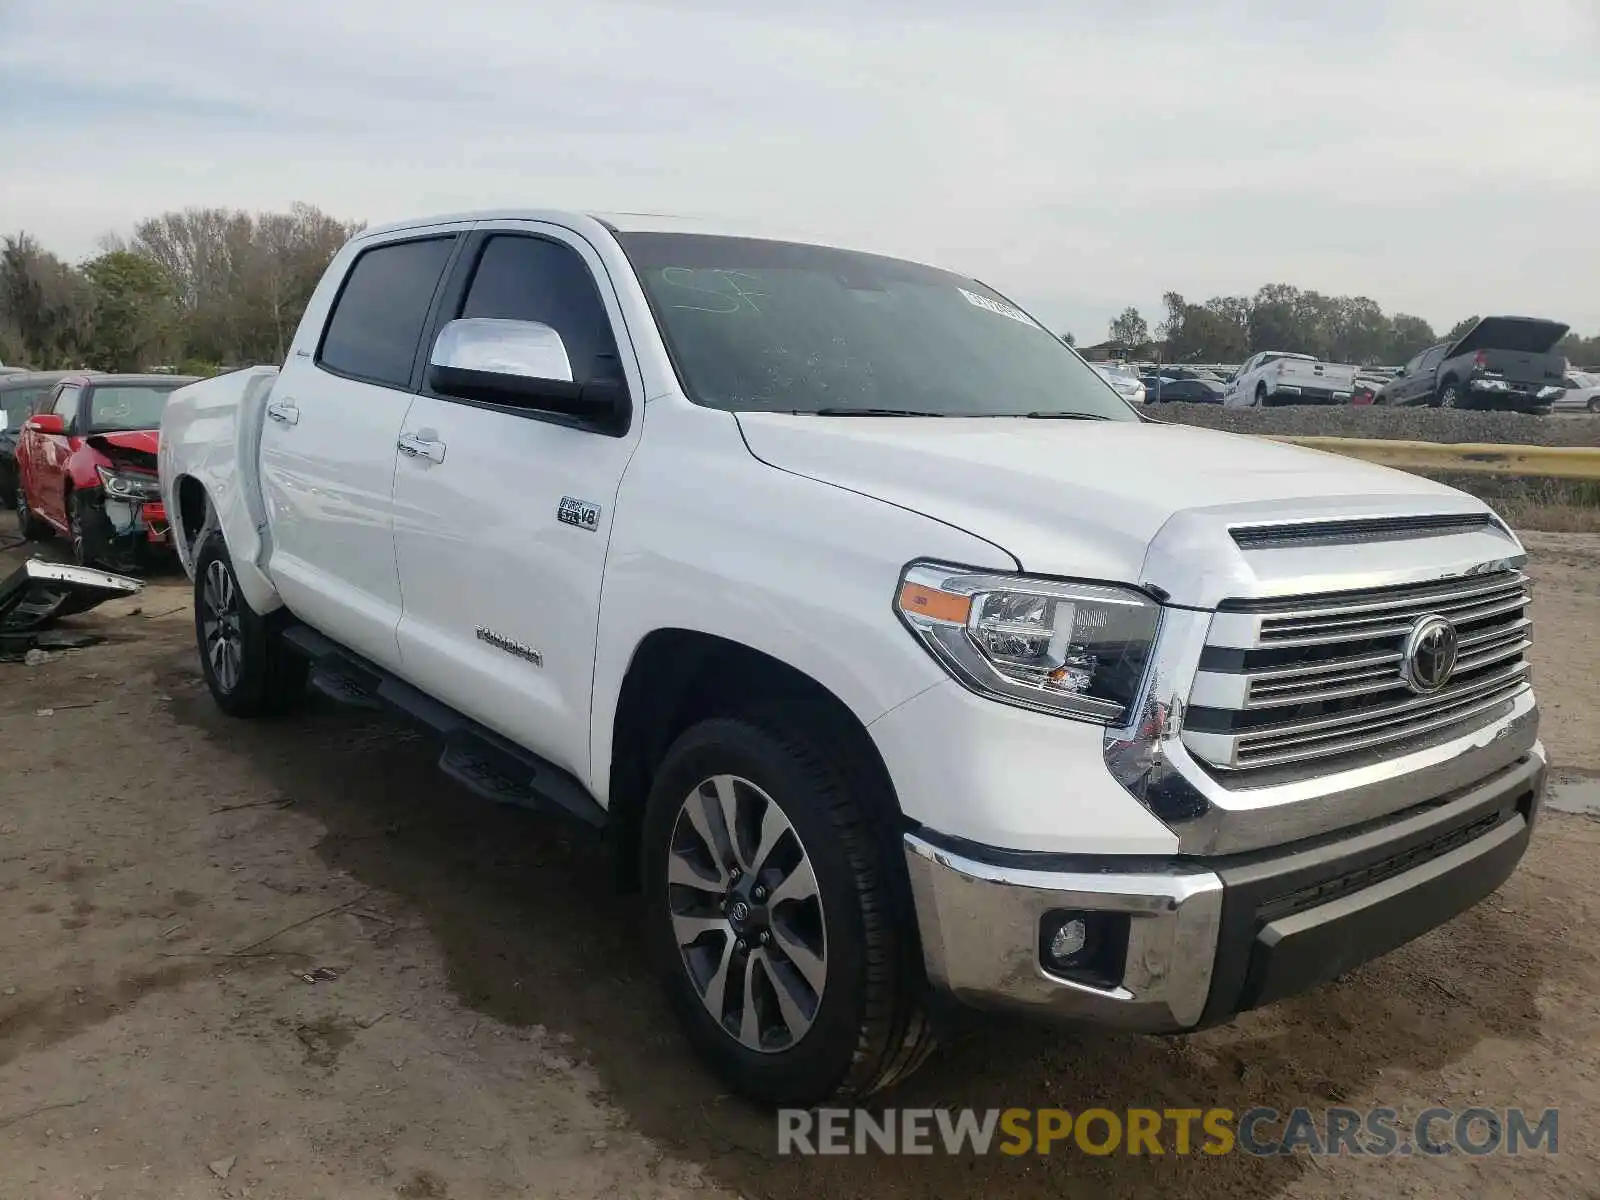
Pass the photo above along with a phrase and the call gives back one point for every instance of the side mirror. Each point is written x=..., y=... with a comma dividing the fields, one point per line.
x=47, y=423
x=523, y=364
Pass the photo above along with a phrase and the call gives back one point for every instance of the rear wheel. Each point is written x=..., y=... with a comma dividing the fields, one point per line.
x=1450, y=395
x=1594, y=404
x=1261, y=395
x=250, y=670
x=770, y=916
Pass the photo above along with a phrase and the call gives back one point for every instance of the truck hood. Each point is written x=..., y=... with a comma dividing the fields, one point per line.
x=134, y=448
x=1089, y=498
x=1529, y=335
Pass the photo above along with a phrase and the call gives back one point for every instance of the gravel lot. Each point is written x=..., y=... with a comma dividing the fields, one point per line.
x=170, y=880
x=1410, y=424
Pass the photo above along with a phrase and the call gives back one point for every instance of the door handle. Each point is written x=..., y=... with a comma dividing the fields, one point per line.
x=283, y=412
x=422, y=445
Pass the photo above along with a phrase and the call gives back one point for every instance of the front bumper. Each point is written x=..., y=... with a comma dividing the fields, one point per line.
x=1208, y=938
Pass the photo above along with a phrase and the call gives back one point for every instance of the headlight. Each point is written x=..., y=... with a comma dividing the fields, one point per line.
x=1077, y=649
x=129, y=487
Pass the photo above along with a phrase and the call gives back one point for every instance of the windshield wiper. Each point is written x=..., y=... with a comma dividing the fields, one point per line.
x=1064, y=416
x=869, y=412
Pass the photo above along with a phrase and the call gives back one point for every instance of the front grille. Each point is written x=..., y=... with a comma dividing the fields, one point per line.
x=1314, y=678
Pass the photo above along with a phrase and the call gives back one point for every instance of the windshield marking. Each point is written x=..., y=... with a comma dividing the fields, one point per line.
x=740, y=297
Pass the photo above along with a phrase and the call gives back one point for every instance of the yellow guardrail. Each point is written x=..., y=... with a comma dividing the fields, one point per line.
x=1549, y=462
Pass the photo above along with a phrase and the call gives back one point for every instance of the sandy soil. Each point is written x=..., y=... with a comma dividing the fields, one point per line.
x=477, y=1021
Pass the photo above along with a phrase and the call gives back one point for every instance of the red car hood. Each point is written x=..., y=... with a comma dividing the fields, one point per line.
x=146, y=440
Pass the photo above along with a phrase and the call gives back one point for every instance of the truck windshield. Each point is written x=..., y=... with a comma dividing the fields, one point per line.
x=756, y=325
x=123, y=407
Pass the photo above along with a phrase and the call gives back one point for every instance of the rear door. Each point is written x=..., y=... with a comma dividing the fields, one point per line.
x=328, y=445
x=502, y=520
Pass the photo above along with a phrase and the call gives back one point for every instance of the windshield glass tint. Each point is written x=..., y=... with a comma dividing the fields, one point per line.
x=768, y=326
x=127, y=406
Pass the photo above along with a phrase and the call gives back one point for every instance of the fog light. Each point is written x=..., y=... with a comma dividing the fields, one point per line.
x=1085, y=947
x=1068, y=940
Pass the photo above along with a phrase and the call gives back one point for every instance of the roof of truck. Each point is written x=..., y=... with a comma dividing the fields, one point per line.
x=619, y=222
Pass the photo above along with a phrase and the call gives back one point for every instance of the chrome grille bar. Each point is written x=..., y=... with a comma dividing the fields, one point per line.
x=1292, y=681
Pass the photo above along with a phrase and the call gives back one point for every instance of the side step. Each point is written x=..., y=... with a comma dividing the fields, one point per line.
x=477, y=758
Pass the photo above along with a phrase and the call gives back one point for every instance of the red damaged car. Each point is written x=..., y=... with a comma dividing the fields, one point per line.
x=86, y=464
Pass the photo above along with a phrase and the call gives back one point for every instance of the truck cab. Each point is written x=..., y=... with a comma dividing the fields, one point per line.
x=906, y=666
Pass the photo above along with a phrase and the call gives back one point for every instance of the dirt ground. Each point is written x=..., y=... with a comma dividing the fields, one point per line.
x=478, y=1022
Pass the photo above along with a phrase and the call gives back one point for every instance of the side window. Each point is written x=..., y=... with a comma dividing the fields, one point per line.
x=378, y=317
x=532, y=279
x=1414, y=365
x=66, y=405
x=1431, y=358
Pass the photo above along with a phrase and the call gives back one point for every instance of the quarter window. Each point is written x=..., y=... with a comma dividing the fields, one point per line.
x=378, y=317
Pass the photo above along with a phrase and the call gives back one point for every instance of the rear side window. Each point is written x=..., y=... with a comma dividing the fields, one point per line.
x=531, y=279
x=377, y=319
x=1432, y=357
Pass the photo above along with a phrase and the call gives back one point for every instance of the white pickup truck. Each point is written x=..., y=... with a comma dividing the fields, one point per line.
x=901, y=660
x=1278, y=377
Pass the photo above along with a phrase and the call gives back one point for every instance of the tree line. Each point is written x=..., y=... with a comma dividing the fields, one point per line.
x=197, y=290
x=1352, y=329
x=212, y=287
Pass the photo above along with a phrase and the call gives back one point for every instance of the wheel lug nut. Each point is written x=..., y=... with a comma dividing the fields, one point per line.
x=740, y=947
x=765, y=937
x=760, y=893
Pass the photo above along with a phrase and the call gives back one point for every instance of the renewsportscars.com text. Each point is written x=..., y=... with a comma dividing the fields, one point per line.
x=1375, y=1132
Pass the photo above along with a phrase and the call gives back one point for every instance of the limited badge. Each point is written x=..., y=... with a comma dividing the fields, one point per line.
x=579, y=513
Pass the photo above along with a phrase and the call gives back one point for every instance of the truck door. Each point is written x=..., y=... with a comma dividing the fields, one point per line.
x=328, y=446
x=502, y=515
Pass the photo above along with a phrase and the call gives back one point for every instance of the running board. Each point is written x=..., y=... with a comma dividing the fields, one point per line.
x=477, y=758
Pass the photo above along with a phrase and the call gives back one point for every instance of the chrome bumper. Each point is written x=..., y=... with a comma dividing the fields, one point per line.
x=1209, y=939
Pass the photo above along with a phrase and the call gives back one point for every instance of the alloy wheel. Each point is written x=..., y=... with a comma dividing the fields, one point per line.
x=219, y=624
x=747, y=914
x=1449, y=399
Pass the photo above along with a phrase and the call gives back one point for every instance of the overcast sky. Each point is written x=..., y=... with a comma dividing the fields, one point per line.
x=1440, y=156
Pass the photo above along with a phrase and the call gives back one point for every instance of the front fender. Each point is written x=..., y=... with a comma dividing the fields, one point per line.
x=708, y=538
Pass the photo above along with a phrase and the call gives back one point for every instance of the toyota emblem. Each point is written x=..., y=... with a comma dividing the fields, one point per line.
x=1429, y=655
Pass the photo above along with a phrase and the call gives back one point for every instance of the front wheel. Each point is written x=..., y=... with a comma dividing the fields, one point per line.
x=771, y=918
x=250, y=670
x=32, y=527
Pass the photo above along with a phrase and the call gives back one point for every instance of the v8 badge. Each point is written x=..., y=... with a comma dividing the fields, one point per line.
x=579, y=513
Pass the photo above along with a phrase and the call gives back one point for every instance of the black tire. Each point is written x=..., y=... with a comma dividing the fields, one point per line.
x=1261, y=395
x=260, y=676
x=32, y=528
x=74, y=506
x=868, y=1027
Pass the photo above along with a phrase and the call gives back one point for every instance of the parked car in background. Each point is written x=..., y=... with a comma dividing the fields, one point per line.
x=1582, y=393
x=1161, y=389
x=1124, y=381
x=1504, y=363
x=86, y=463
x=1174, y=371
x=1279, y=377
x=20, y=392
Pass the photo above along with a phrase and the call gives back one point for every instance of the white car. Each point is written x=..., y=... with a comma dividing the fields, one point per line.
x=1582, y=394
x=1125, y=382
x=901, y=660
x=1278, y=377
